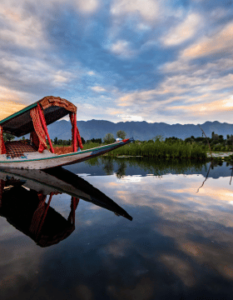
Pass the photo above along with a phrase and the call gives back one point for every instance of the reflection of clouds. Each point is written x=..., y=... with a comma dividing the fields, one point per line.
x=135, y=178
x=199, y=224
x=83, y=292
x=217, y=257
x=180, y=268
x=16, y=265
x=143, y=290
x=179, y=242
x=117, y=248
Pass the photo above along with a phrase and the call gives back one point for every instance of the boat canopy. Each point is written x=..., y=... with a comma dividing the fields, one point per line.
x=54, y=108
x=34, y=120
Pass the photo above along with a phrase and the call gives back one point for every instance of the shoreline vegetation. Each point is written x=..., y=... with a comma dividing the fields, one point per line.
x=162, y=149
x=152, y=149
x=199, y=148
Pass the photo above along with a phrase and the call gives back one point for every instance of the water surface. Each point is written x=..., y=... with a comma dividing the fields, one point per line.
x=179, y=244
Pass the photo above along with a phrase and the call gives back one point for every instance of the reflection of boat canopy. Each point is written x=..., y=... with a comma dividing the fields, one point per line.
x=28, y=212
x=34, y=154
x=59, y=180
x=23, y=202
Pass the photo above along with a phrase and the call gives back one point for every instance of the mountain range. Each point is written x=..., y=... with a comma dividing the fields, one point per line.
x=138, y=130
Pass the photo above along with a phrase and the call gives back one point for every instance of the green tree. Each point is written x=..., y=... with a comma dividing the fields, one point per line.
x=108, y=167
x=121, y=134
x=158, y=138
x=8, y=137
x=109, y=138
x=55, y=141
x=83, y=141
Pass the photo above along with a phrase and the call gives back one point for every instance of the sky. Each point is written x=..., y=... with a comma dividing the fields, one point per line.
x=122, y=60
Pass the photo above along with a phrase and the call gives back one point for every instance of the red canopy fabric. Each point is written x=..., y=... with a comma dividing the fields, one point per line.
x=34, y=113
x=57, y=101
x=41, y=130
x=2, y=144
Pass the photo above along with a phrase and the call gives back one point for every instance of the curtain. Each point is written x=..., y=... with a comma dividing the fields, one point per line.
x=2, y=144
x=34, y=113
x=41, y=130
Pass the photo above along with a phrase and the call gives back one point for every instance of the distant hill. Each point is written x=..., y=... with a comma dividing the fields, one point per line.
x=138, y=130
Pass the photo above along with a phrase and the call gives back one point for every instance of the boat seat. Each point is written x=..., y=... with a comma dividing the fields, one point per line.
x=18, y=148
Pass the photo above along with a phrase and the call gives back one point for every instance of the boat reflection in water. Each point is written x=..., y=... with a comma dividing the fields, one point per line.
x=23, y=195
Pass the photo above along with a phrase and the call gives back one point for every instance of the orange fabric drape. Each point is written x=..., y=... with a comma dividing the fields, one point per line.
x=42, y=118
x=41, y=130
x=77, y=142
x=34, y=113
x=2, y=144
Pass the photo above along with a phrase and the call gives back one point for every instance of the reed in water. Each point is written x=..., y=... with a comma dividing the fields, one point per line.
x=175, y=150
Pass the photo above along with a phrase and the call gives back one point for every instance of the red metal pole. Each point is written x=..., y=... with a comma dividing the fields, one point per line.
x=79, y=139
x=75, y=132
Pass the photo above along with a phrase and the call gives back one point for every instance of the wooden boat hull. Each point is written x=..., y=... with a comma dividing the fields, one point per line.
x=42, y=161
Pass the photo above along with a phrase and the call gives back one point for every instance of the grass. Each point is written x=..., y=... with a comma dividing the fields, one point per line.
x=155, y=149
x=90, y=145
x=161, y=149
x=63, y=149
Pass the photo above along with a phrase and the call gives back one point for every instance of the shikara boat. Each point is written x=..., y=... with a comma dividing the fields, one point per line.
x=23, y=195
x=35, y=154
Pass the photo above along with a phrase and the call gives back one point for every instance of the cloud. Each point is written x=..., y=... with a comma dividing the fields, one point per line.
x=11, y=101
x=219, y=43
x=20, y=28
x=98, y=89
x=9, y=107
x=33, y=71
x=223, y=106
x=87, y=6
x=91, y=73
x=147, y=9
x=122, y=48
x=141, y=60
x=183, y=31
x=130, y=118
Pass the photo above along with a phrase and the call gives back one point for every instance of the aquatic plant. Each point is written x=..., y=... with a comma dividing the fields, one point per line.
x=176, y=150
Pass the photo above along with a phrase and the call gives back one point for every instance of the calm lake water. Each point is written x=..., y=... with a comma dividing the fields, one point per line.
x=179, y=244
